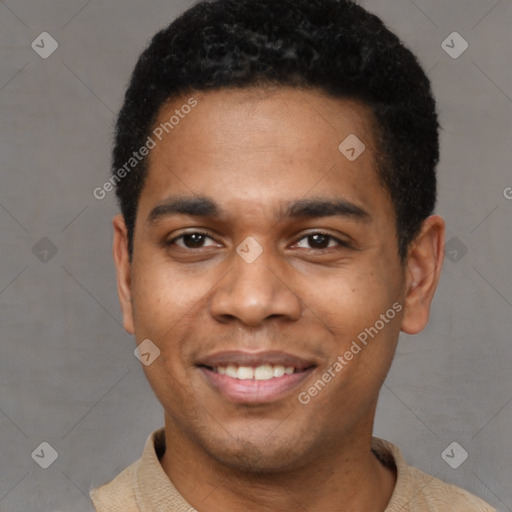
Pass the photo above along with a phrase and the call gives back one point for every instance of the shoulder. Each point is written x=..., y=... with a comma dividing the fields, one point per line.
x=136, y=484
x=417, y=491
x=441, y=496
x=118, y=495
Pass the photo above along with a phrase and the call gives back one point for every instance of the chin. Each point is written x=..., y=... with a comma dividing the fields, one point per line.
x=249, y=457
x=258, y=455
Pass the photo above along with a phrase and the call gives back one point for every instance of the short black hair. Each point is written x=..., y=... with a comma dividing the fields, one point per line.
x=332, y=45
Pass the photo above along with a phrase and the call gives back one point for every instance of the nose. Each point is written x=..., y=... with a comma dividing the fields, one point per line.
x=256, y=291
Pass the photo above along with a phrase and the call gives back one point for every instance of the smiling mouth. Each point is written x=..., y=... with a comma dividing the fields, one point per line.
x=262, y=372
x=255, y=378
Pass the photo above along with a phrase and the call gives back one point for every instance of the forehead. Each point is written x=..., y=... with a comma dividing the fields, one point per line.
x=263, y=146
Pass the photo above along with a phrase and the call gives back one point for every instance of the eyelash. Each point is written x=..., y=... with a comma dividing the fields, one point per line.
x=340, y=243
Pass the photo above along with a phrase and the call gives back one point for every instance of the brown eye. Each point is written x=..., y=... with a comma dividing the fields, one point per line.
x=320, y=241
x=195, y=240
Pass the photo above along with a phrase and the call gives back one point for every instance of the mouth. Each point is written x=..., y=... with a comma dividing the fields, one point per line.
x=242, y=377
x=262, y=372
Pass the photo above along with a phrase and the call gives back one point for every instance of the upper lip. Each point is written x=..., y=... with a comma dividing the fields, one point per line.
x=240, y=358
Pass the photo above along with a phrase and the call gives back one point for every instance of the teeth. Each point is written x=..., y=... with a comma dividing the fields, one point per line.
x=232, y=371
x=263, y=372
x=278, y=371
x=245, y=372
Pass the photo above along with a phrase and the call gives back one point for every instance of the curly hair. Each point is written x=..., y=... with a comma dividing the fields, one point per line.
x=332, y=45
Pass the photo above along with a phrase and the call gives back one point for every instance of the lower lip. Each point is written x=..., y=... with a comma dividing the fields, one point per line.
x=253, y=391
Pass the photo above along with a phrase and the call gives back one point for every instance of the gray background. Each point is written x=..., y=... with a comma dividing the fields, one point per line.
x=68, y=375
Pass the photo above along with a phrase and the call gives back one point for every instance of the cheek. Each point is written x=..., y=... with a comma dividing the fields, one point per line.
x=361, y=310
x=165, y=307
x=163, y=297
x=350, y=299
x=169, y=309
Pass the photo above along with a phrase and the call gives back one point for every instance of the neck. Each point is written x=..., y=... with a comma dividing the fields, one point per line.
x=347, y=476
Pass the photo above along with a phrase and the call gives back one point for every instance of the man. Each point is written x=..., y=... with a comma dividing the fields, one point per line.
x=275, y=166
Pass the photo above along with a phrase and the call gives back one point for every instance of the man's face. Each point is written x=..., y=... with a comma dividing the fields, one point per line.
x=267, y=162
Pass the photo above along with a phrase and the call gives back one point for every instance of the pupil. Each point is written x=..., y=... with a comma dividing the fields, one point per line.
x=319, y=240
x=193, y=240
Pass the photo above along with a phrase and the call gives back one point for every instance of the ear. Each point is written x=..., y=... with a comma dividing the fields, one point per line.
x=423, y=269
x=123, y=270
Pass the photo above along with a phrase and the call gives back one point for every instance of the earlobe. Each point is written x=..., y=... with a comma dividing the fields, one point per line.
x=423, y=269
x=123, y=271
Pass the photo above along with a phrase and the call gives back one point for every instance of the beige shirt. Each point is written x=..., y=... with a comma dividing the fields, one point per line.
x=144, y=486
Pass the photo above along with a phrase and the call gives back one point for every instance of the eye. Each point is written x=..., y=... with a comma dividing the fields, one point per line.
x=193, y=240
x=320, y=241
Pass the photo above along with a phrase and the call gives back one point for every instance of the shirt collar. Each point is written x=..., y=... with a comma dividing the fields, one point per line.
x=155, y=492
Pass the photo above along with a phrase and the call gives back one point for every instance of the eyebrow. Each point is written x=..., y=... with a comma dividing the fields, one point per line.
x=302, y=208
x=193, y=206
x=321, y=207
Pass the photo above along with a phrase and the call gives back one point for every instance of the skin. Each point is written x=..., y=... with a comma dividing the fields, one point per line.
x=252, y=151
